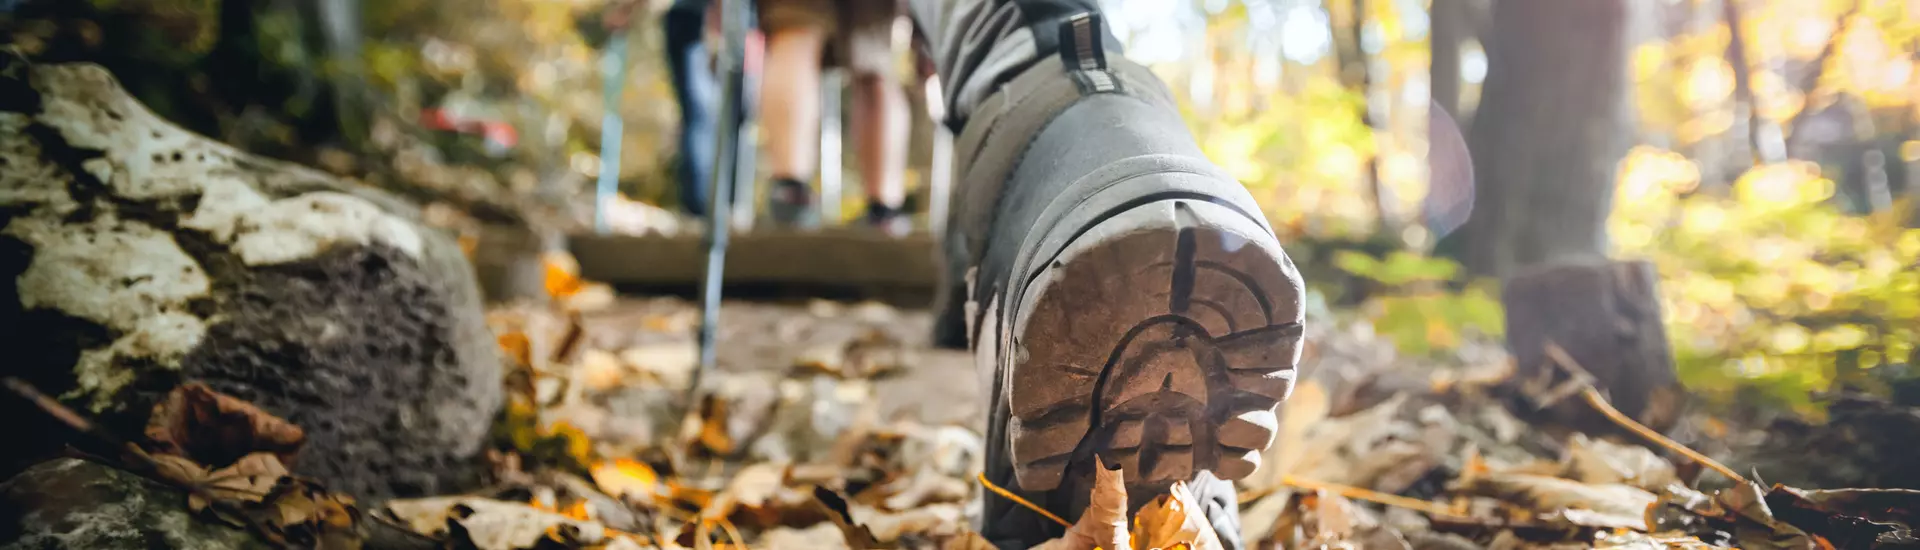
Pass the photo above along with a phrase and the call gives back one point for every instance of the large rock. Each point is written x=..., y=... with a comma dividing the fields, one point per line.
x=75, y=504
x=135, y=255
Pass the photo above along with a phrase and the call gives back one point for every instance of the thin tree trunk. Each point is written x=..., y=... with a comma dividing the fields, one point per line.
x=1449, y=28
x=1762, y=139
x=1810, y=84
x=1357, y=68
x=1553, y=127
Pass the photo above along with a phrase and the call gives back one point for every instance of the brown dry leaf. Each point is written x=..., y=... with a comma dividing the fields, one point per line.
x=517, y=346
x=840, y=513
x=708, y=430
x=669, y=364
x=300, y=511
x=1306, y=407
x=251, y=479
x=591, y=297
x=931, y=521
x=1615, y=504
x=179, y=470
x=823, y=536
x=1755, y=527
x=600, y=371
x=1175, y=518
x=1104, y=523
x=1603, y=461
x=754, y=485
x=490, y=524
x=969, y=540
x=1315, y=519
x=924, y=486
x=216, y=429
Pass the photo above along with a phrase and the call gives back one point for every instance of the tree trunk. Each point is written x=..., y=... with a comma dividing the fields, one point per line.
x=1606, y=317
x=1552, y=127
x=1450, y=22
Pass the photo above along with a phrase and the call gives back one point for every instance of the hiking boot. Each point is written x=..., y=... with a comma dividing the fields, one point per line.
x=791, y=204
x=1128, y=301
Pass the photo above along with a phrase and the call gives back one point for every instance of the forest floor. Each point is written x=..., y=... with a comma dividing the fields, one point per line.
x=835, y=425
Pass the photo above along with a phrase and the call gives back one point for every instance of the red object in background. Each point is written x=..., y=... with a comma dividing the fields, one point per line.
x=495, y=132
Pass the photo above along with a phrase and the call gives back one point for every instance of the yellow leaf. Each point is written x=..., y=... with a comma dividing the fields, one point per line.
x=516, y=345
x=562, y=274
x=626, y=478
x=1175, y=519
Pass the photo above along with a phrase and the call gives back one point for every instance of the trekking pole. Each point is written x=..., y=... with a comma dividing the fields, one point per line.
x=611, y=127
x=733, y=160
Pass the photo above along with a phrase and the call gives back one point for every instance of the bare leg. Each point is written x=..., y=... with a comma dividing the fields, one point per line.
x=880, y=134
x=790, y=101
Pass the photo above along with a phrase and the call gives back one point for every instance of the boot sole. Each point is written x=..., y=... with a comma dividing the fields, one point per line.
x=1161, y=338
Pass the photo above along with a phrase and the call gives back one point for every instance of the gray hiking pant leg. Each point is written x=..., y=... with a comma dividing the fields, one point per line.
x=979, y=44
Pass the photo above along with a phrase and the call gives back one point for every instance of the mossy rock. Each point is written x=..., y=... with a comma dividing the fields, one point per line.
x=135, y=255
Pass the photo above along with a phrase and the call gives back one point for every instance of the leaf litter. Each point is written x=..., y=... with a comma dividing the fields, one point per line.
x=827, y=434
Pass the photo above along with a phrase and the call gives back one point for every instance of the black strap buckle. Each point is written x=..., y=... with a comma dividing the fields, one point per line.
x=1080, y=45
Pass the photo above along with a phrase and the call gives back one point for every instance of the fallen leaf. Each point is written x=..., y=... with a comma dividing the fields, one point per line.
x=969, y=540
x=1258, y=520
x=922, y=487
x=754, y=485
x=1104, y=523
x=1313, y=519
x=515, y=345
x=1544, y=494
x=249, y=480
x=1305, y=408
x=841, y=514
x=179, y=470
x=562, y=274
x=301, y=511
x=626, y=478
x=1636, y=541
x=1175, y=518
x=216, y=429
x=490, y=524
x=591, y=297
x=1755, y=527
x=1599, y=461
x=933, y=521
x=823, y=536
x=600, y=371
x=669, y=364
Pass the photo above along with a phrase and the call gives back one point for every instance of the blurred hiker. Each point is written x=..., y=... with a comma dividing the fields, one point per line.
x=1127, y=304
x=698, y=94
x=694, y=89
x=857, y=34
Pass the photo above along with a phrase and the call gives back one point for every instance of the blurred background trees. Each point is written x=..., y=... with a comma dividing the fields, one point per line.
x=1761, y=153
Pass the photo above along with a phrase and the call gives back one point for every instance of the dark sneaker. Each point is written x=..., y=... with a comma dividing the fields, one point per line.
x=891, y=221
x=791, y=203
x=1132, y=303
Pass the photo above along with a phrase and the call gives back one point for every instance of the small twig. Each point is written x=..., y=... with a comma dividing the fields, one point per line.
x=1369, y=495
x=1020, y=501
x=61, y=412
x=732, y=532
x=1599, y=403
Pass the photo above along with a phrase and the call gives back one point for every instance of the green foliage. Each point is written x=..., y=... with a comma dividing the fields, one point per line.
x=1416, y=311
x=1770, y=291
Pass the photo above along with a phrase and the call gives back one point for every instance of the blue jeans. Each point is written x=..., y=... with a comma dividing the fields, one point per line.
x=698, y=93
